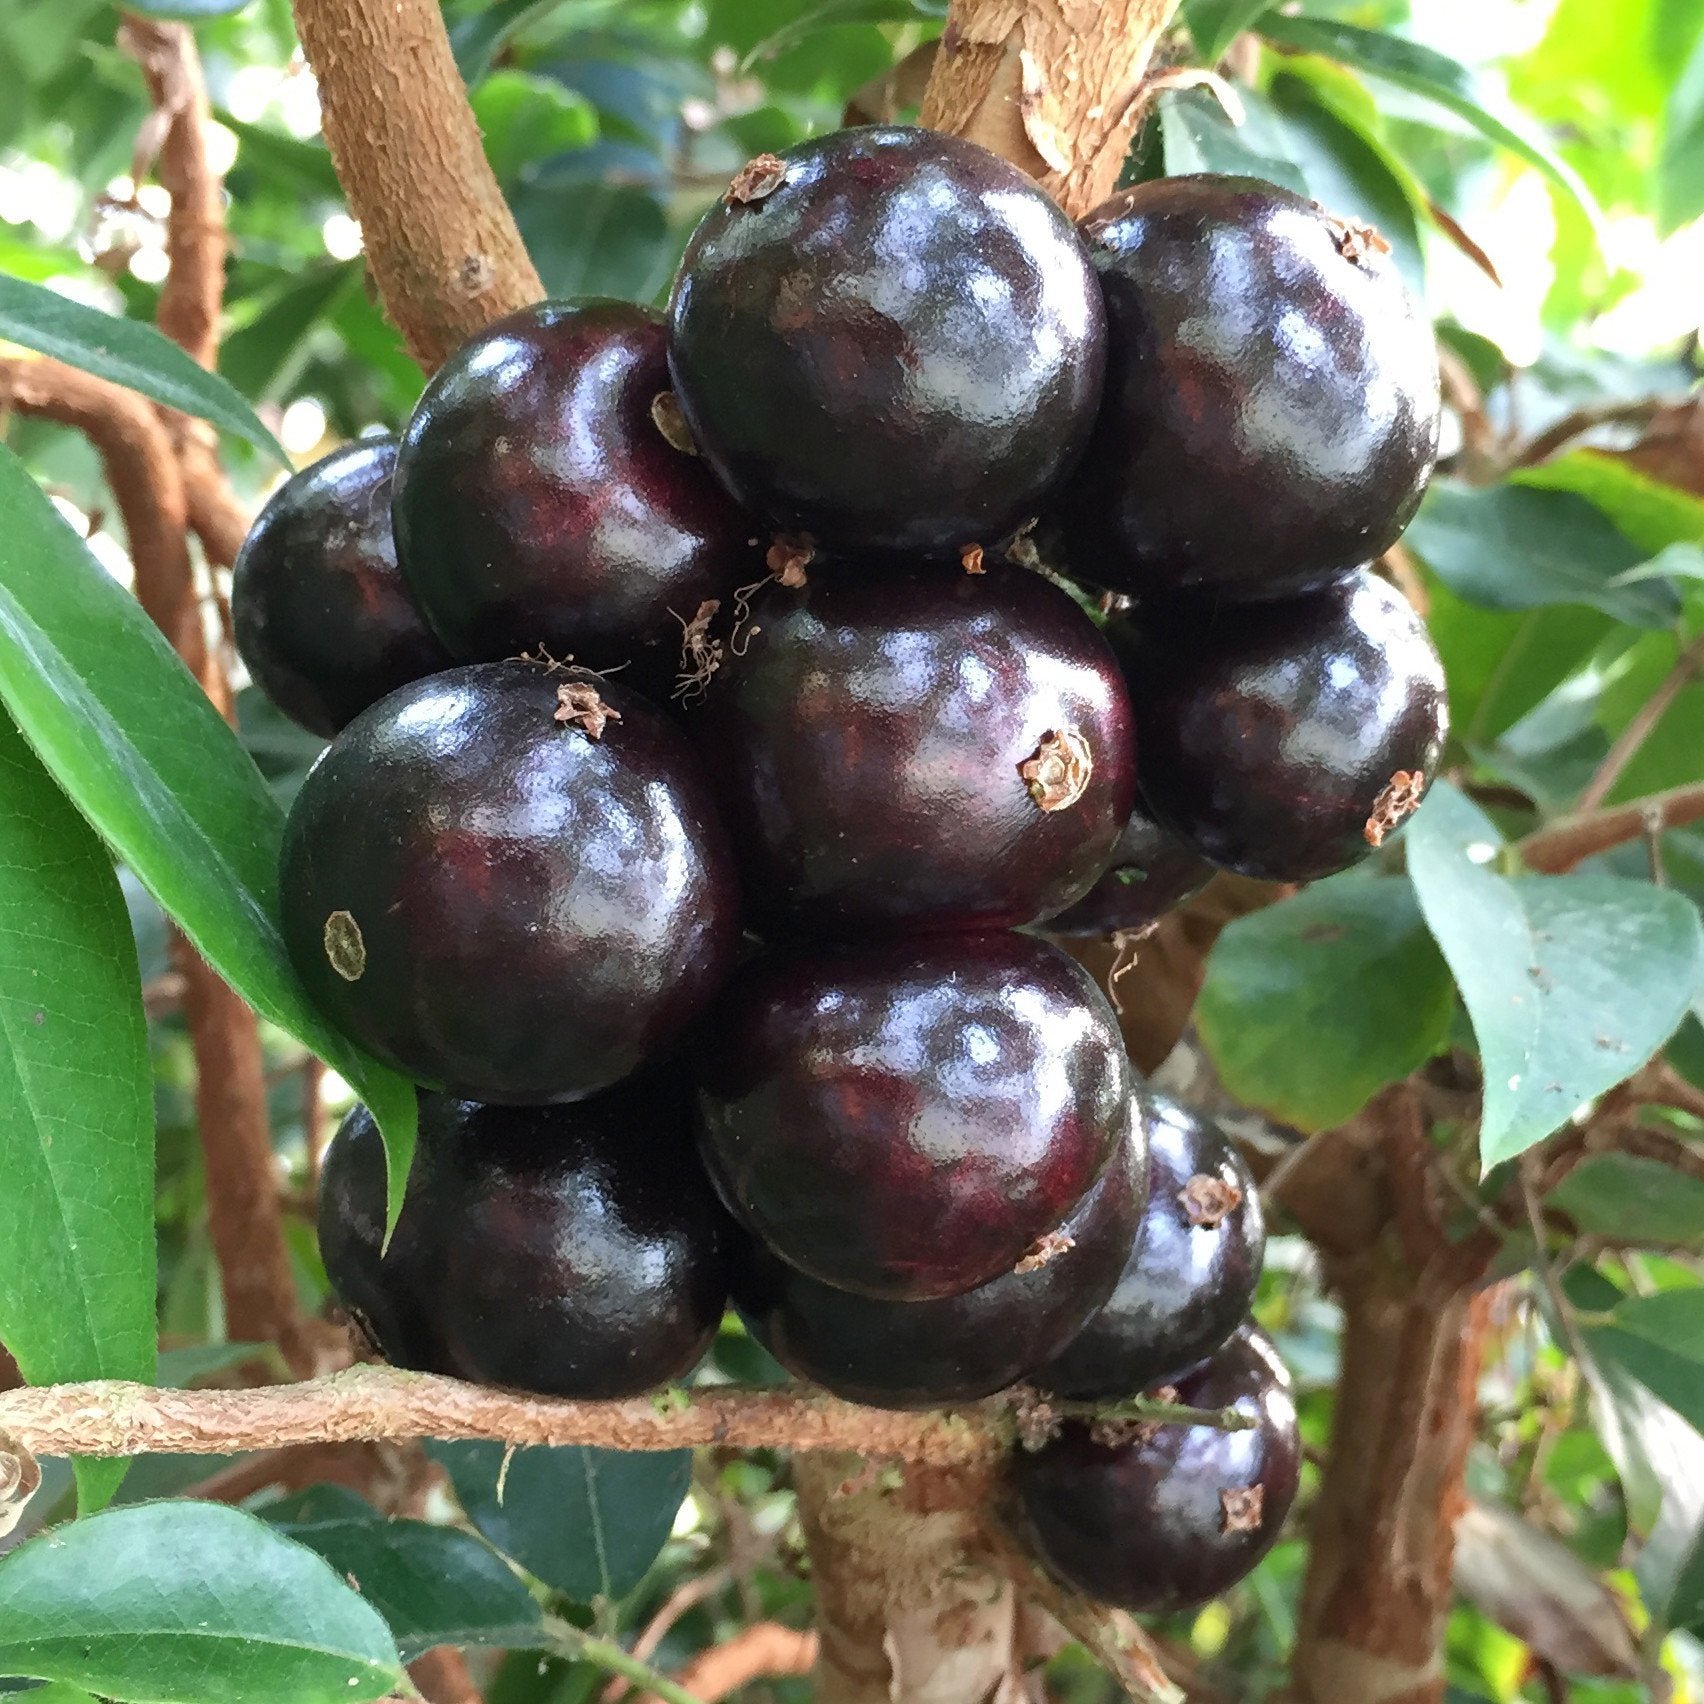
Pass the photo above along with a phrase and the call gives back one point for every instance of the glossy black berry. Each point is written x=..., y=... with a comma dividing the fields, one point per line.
x=509, y=882
x=888, y=338
x=907, y=1120
x=1150, y=872
x=909, y=746
x=323, y=619
x=1282, y=740
x=540, y=505
x=575, y=1251
x=1271, y=412
x=924, y=1354
x=1167, y=1517
x=1191, y=1272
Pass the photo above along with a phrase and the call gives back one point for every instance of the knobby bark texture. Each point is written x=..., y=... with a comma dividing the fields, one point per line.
x=441, y=242
x=1053, y=85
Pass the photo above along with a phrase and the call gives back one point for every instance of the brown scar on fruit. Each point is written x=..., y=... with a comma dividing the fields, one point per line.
x=1242, y=1508
x=1057, y=772
x=1034, y=1417
x=671, y=423
x=756, y=179
x=1044, y=1249
x=1399, y=801
x=700, y=652
x=579, y=706
x=1355, y=241
x=970, y=559
x=788, y=556
x=345, y=950
x=1209, y=1201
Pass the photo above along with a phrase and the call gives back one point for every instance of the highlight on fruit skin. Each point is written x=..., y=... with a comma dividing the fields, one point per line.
x=1155, y=1516
x=890, y=340
x=1271, y=412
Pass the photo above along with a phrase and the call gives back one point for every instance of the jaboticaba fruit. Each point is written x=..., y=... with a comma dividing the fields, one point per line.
x=1282, y=740
x=890, y=1354
x=908, y=1120
x=322, y=617
x=1192, y=1270
x=909, y=746
x=509, y=882
x=546, y=500
x=572, y=1250
x=1158, y=1517
x=1151, y=871
x=888, y=338
x=1271, y=412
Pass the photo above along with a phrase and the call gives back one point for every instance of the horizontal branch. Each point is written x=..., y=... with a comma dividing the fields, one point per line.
x=1568, y=841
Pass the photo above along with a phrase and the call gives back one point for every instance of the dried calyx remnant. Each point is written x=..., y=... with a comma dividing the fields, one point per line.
x=345, y=950
x=1057, y=772
x=579, y=705
x=789, y=556
x=1209, y=1200
x=756, y=179
x=1242, y=1507
x=1044, y=1249
x=666, y=416
x=1355, y=240
x=1399, y=801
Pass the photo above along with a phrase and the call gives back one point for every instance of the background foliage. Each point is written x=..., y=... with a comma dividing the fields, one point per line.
x=1538, y=169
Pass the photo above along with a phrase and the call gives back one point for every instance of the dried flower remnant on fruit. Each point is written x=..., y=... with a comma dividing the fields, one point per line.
x=1034, y=1417
x=345, y=950
x=789, y=556
x=1057, y=773
x=1356, y=240
x=756, y=179
x=700, y=652
x=1022, y=553
x=671, y=423
x=20, y=1479
x=1209, y=1201
x=1399, y=801
x=1242, y=1508
x=579, y=706
x=1044, y=1249
x=1114, y=1432
x=970, y=558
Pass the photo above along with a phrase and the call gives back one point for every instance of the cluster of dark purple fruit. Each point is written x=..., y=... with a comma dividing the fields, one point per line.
x=713, y=753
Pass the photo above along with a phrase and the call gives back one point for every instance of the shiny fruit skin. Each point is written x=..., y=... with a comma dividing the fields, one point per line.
x=1150, y=872
x=538, y=505
x=868, y=749
x=1179, y=1514
x=574, y=1251
x=529, y=912
x=1271, y=411
x=1187, y=1284
x=904, y=1120
x=954, y=1349
x=322, y=617
x=1269, y=732
x=898, y=348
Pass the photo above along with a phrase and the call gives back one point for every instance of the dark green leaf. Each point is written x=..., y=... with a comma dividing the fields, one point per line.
x=1653, y=515
x=189, y=1603
x=476, y=41
x=76, y=1102
x=526, y=119
x=276, y=154
x=433, y=1585
x=1436, y=76
x=1215, y=24
x=1633, y=1199
x=183, y=1369
x=126, y=731
x=1313, y=1005
x=1200, y=137
x=589, y=1522
x=1517, y=547
x=263, y=356
x=1572, y=982
x=130, y=354
x=595, y=239
x=1660, y=1340
x=826, y=14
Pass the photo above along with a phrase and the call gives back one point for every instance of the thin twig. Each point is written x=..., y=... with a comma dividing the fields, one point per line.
x=1641, y=727
x=1560, y=845
x=684, y=1597
x=761, y=1651
x=1571, y=426
x=579, y=1646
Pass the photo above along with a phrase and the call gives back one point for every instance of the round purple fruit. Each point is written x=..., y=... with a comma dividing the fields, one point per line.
x=1151, y=871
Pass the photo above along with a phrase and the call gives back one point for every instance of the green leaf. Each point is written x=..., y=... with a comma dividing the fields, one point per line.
x=433, y=1585
x=275, y=154
x=183, y=1369
x=827, y=14
x=477, y=40
x=1215, y=24
x=1313, y=1005
x=1634, y=1199
x=527, y=119
x=189, y=1603
x=130, y=354
x=263, y=357
x=1424, y=71
x=189, y=9
x=1516, y=547
x=126, y=731
x=1572, y=982
x=1680, y=168
x=1200, y=137
x=595, y=239
x=1653, y=515
x=589, y=1522
x=76, y=1103
x=1659, y=1339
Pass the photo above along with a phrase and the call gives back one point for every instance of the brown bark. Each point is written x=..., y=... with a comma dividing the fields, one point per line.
x=1568, y=841
x=762, y=1651
x=442, y=245
x=442, y=1677
x=1053, y=85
